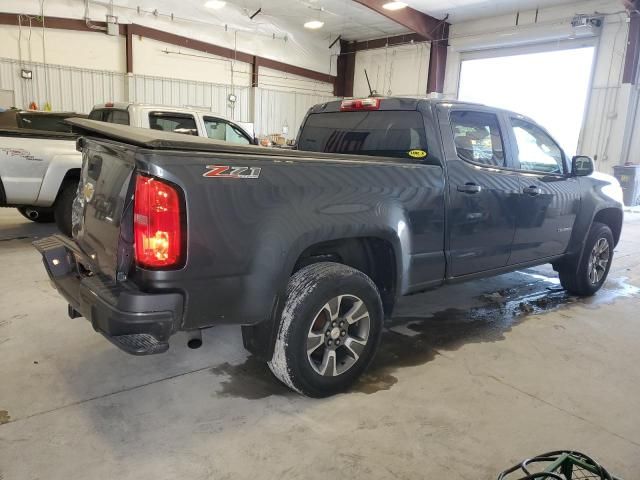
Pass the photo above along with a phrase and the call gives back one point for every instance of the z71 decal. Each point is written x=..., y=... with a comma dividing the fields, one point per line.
x=224, y=171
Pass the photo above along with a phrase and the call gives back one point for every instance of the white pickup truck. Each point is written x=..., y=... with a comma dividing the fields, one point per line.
x=39, y=170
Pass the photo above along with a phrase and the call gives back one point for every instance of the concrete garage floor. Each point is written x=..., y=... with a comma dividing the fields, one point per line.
x=470, y=379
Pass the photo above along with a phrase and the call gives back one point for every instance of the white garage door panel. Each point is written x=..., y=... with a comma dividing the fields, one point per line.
x=549, y=86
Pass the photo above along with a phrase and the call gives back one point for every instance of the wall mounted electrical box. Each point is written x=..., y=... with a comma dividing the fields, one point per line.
x=112, y=25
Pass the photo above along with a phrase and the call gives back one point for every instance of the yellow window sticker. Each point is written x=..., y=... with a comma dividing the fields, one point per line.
x=417, y=153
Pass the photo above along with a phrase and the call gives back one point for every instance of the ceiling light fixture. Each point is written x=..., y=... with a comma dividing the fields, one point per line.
x=215, y=4
x=314, y=24
x=393, y=6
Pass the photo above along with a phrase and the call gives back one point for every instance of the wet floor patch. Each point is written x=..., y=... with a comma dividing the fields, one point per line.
x=4, y=417
x=416, y=340
x=251, y=380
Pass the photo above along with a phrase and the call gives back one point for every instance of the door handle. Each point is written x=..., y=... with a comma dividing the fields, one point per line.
x=533, y=191
x=470, y=188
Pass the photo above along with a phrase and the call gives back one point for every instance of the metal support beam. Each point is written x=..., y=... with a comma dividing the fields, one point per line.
x=129, y=48
x=425, y=28
x=55, y=22
x=346, y=70
x=255, y=71
x=295, y=70
x=408, y=17
x=438, y=61
x=394, y=41
x=632, y=59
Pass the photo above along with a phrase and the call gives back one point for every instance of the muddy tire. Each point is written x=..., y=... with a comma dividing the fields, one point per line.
x=329, y=330
x=64, y=205
x=586, y=276
x=37, y=214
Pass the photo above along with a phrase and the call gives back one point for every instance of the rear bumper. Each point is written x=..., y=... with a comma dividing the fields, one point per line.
x=137, y=322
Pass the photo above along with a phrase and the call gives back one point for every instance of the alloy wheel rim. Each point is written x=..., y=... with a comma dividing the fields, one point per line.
x=338, y=335
x=599, y=260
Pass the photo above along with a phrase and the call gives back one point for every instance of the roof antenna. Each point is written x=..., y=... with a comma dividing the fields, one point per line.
x=372, y=93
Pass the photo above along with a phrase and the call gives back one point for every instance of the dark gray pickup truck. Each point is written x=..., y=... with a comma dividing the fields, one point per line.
x=308, y=250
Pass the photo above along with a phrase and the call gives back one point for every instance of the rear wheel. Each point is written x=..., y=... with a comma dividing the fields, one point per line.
x=329, y=330
x=37, y=214
x=586, y=276
x=64, y=205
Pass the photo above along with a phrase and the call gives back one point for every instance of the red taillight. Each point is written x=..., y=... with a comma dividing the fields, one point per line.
x=157, y=225
x=360, y=104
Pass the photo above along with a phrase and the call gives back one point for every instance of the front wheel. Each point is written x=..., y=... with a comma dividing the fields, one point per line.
x=586, y=277
x=329, y=329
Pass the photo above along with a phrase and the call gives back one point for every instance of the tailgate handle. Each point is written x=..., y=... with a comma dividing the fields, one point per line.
x=470, y=188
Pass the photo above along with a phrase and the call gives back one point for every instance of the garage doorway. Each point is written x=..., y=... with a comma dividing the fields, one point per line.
x=549, y=84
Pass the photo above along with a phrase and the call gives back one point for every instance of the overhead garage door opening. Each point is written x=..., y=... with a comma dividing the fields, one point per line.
x=550, y=87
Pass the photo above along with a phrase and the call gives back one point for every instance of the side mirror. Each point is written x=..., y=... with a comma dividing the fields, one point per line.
x=582, y=166
x=255, y=141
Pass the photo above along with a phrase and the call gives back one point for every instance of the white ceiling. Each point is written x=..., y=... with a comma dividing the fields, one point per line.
x=281, y=17
x=341, y=17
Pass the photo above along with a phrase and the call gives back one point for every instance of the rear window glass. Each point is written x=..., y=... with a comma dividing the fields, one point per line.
x=380, y=133
x=121, y=117
x=173, y=122
x=96, y=115
x=51, y=123
x=110, y=115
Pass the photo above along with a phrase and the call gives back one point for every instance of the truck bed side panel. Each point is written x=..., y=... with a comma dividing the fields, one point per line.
x=24, y=161
x=246, y=234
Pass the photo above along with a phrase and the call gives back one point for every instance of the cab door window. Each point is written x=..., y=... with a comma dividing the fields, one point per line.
x=218, y=129
x=537, y=152
x=477, y=137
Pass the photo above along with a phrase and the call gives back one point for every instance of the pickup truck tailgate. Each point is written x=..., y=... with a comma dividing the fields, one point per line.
x=104, y=195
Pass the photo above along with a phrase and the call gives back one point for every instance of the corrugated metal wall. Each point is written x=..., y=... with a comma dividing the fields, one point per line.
x=65, y=88
x=78, y=90
x=276, y=109
x=186, y=93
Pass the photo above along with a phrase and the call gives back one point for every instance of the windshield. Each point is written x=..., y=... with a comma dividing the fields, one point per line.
x=398, y=134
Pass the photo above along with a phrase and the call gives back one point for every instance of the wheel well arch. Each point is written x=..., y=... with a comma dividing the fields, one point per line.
x=612, y=217
x=72, y=174
x=3, y=196
x=374, y=256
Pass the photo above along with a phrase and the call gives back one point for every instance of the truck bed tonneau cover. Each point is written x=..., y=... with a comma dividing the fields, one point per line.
x=161, y=140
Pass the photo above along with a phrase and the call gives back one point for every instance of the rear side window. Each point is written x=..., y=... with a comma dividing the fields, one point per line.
x=398, y=134
x=110, y=115
x=477, y=137
x=173, y=122
x=121, y=117
x=96, y=115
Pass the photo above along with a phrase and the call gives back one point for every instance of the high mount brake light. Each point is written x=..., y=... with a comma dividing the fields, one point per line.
x=157, y=225
x=360, y=104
